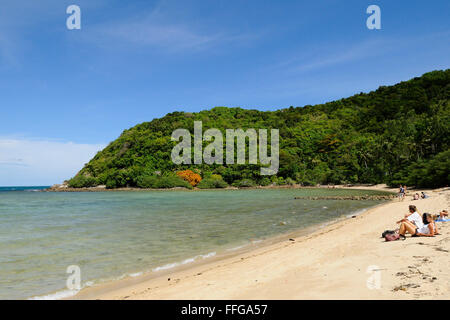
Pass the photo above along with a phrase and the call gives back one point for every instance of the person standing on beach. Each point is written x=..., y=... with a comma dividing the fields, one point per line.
x=401, y=193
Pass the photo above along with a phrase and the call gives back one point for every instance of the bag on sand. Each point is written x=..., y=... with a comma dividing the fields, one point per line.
x=387, y=232
x=392, y=236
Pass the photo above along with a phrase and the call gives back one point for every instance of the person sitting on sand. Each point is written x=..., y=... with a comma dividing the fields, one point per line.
x=424, y=196
x=426, y=217
x=443, y=214
x=428, y=228
x=416, y=197
x=413, y=217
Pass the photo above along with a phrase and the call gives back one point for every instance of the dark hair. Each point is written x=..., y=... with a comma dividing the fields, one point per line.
x=424, y=217
x=412, y=208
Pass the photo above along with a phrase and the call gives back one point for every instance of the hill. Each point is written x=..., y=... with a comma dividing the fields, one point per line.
x=396, y=134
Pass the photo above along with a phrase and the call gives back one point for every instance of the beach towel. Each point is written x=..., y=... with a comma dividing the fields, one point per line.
x=442, y=220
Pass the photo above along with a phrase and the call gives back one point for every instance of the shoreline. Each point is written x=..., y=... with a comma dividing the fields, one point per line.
x=146, y=272
x=201, y=259
x=231, y=253
x=229, y=277
x=63, y=188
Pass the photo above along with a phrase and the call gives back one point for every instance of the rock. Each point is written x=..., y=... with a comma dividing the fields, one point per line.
x=366, y=197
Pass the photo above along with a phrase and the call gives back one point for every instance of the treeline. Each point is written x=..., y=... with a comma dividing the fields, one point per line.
x=396, y=134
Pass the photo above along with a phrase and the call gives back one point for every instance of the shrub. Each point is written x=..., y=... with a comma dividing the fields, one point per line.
x=212, y=183
x=147, y=181
x=216, y=176
x=118, y=179
x=111, y=183
x=265, y=181
x=279, y=181
x=172, y=182
x=290, y=181
x=244, y=183
x=190, y=176
x=82, y=182
x=157, y=182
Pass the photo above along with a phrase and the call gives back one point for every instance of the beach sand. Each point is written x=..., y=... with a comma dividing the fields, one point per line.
x=331, y=263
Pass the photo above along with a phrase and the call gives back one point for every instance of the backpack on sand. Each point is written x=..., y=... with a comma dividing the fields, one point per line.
x=387, y=232
x=392, y=236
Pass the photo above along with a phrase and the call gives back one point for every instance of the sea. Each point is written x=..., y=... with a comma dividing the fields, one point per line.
x=106, y=236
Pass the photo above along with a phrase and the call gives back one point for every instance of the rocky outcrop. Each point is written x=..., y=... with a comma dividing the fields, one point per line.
x=363, y=197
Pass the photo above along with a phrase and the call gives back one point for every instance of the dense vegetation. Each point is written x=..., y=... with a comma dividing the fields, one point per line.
x=396, y=134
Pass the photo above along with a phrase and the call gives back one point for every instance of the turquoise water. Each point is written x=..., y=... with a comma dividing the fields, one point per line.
x=2, y=189
x=113, y=234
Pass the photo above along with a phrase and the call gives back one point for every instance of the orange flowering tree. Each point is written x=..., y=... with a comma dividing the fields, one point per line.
x=190, y=176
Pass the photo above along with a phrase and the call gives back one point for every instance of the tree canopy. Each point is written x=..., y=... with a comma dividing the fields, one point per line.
x=396, y=134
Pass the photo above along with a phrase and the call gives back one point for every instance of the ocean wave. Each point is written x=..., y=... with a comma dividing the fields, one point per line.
x=237, y=248
x=209, y=255
x=186, y=261
x=57, y=295
x=165, y=267
x=62, y=294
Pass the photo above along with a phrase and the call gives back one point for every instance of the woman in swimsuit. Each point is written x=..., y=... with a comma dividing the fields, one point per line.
x=427, y=230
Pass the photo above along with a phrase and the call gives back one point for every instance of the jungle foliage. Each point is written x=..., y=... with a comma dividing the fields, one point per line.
x=396, y=134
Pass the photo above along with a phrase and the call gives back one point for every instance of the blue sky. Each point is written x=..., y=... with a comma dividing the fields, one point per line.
x=64, y=94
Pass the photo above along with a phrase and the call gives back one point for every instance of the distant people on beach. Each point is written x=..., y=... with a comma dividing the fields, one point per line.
x=416, y=196
x=441, y=215
x=401, y=193
x=424, y=195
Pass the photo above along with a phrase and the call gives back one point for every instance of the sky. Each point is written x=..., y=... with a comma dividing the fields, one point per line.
x=65, y=94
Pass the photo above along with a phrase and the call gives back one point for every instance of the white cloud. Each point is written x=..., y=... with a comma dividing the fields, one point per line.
x=355, y=52
x=166, y=36
x=41, y=162
x=328, y=55
x=160, y=29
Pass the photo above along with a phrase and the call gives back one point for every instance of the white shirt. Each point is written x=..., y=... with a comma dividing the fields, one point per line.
x=425, y=229
x=416, y=219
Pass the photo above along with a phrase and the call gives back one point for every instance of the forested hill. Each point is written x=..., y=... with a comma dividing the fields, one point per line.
x=396, y=134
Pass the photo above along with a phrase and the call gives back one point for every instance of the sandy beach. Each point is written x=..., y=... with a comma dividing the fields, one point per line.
x=345, y=260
